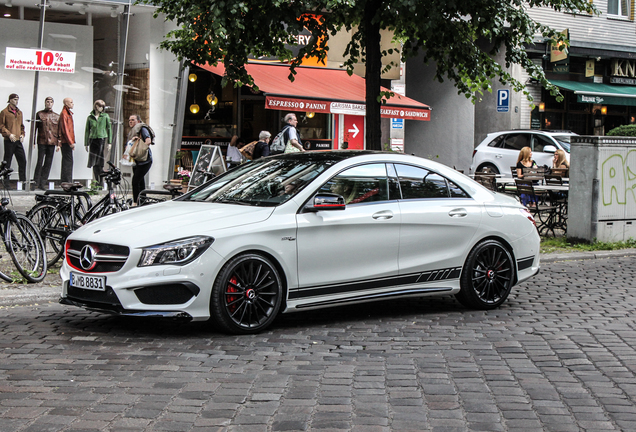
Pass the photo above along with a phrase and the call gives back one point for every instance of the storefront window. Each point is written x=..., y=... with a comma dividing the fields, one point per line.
x=80, y=47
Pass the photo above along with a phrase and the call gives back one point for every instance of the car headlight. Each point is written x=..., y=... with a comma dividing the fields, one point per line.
x=176, y=252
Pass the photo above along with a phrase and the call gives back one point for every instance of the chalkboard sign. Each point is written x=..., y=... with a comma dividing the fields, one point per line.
x=210, y=159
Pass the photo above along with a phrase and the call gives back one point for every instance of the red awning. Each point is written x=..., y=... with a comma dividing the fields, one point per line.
x=322, y=90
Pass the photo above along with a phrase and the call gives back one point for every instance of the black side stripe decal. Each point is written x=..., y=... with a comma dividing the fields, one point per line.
x=429, y=276
x=524, y=263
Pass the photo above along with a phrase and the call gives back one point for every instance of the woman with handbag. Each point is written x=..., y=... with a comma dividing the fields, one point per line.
x=140, y=136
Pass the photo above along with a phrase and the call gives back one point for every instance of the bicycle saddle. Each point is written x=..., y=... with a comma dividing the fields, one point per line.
x=171, y=187
x=72, y=187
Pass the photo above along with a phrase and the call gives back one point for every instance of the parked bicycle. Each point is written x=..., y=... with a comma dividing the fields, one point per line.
x=21, y=238
x=58, y=213
x=151, y=196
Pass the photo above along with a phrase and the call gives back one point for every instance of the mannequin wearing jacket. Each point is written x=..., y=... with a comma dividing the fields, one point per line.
x=67, y=140
x=98, y=133
x=12, y=128
x=47, y=141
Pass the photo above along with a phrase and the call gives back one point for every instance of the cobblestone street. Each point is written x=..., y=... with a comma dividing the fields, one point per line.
x=558, y=356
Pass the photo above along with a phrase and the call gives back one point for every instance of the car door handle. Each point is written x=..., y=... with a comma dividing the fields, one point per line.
x=498, y=156
x=458, y=212
x=383, y=215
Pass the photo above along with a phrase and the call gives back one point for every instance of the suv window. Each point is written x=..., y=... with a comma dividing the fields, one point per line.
x=540, y=142
x=516, y=141
x=497, y=142
x=421, y=183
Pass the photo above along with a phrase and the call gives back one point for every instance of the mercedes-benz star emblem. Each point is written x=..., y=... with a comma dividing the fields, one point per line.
x=87, y=257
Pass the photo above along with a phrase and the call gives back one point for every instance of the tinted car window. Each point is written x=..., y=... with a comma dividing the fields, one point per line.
x=497, y=142
x=517, y=141
x=420, y=183
x=360, y=184
x=540, y=142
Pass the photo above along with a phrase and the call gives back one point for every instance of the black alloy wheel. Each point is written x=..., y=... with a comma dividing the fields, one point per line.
x=487, y=277
x=246, y=295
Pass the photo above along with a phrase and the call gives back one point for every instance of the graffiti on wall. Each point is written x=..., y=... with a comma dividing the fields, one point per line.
x=618, y=179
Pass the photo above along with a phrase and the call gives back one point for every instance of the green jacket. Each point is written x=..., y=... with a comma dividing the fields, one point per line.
x=99, y=127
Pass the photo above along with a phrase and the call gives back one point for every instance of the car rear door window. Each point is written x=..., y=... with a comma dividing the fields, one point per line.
x=360, y=184
x=517, y=141
x=417, y=183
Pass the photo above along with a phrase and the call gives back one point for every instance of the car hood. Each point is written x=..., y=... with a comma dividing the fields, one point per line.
x=170, y=220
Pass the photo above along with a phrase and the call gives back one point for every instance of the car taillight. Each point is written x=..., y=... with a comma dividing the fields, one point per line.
x=474, y=152
x=527, y=214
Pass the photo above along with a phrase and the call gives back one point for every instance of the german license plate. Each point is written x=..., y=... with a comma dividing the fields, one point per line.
x=97, y=283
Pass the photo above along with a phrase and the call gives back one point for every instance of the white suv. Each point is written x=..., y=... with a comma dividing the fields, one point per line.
x=499, y=150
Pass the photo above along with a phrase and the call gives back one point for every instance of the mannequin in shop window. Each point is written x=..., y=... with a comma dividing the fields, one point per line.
x=47, y=123
x=98, y=133
x=12, y=127
x=67, y=140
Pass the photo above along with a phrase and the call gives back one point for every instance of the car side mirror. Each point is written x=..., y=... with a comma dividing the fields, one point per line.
x=325, y=202
x=549, y=149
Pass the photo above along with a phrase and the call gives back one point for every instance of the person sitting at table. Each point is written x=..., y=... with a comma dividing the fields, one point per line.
x=559, y=160
x=525, y=161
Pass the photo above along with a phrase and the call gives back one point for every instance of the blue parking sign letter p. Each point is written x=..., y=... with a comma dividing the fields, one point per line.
x=503, y=100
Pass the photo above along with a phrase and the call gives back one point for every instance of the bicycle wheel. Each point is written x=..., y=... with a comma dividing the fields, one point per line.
x=52, y=226
x=101, y=209
x=26, y=248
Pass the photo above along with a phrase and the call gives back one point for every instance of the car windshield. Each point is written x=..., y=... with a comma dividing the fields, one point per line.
x=564, y=140
x=264, y=182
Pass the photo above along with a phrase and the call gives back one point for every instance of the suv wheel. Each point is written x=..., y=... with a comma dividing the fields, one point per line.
x=488, y=169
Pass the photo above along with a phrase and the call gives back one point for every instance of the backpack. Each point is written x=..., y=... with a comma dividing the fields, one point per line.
x=248, y=150
x=278, y=143
x=150, y=132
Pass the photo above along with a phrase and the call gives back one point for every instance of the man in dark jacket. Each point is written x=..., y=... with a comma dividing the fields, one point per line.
x=261, y=149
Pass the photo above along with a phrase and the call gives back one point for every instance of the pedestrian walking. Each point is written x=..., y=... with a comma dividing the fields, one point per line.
x=141, y=137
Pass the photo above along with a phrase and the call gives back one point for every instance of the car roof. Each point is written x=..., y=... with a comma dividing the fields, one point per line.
x=536, y=131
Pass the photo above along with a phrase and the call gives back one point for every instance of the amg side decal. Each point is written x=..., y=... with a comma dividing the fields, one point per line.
x=429, y=276
x=524, y=263
x=375, y=296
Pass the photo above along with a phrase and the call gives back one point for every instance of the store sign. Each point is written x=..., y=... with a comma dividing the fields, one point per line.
x=626, y=81
x=589, y=68
x=39, y=60
x=623, y=68
x=280, y=103
x=590, y=99
x=308, y=105
x=348, y=108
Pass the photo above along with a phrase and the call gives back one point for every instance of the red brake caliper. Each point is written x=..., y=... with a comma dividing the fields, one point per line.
x=231, y=298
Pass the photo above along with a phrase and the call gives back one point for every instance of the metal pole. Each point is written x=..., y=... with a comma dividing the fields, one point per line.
x=179, y=115
x=117, y=148
x=36, y=85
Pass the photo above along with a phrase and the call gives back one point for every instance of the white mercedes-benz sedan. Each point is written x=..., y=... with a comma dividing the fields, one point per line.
x=303, y=231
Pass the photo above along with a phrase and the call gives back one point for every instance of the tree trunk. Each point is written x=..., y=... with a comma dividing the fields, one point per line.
x=373, y=73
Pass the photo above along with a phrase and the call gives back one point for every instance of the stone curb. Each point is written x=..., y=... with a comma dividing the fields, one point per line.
x=27, y=295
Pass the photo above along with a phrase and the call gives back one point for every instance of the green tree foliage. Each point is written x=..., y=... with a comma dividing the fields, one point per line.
x=624, y=130
x=460, y=36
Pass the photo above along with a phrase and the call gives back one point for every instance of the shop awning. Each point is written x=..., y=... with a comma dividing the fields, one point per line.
x=322, y=90
x=595, y=93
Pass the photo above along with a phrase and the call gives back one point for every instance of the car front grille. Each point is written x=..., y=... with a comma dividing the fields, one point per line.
x=107, y=259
